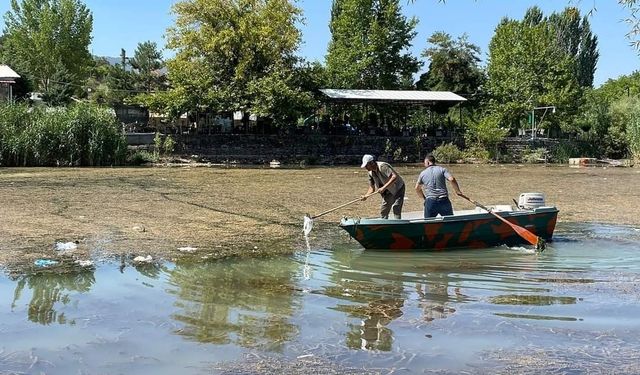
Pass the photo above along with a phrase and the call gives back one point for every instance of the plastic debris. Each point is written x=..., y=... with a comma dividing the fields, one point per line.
x=141, y=259
x=45, y=263
x=64, y=246
x=187, y=249
x=84, y=263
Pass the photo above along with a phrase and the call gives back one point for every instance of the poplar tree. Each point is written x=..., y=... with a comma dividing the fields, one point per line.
x=369, y=45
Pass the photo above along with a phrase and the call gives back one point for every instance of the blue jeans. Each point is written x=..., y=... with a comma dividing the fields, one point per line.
x=434, y=206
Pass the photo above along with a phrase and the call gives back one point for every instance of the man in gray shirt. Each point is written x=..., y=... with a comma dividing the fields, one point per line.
x=383, y=179
x=432, y=187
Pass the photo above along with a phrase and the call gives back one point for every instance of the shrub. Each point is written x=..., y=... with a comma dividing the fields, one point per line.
x=168, y=145
x=447, y=153
x=633, y=136
x=477, y=153
x=142, y=157
x=534, y=156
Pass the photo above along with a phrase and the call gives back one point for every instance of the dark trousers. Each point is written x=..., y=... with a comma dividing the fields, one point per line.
x=392, y=202
x=434, y=206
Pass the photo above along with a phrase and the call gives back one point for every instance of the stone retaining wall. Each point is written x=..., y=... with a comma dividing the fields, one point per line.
x=330, y=149
x=311, y=149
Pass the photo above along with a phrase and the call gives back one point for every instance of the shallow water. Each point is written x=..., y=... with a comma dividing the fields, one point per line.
x=572, y=308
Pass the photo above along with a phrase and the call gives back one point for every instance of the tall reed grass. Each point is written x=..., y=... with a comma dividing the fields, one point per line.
x=78, y=135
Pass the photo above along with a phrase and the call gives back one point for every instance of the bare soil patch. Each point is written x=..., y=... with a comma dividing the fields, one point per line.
x=236, y=211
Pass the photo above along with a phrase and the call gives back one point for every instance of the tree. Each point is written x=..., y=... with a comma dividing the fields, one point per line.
x=574, y=36
x=234, y=55
x=368, y=47
x=59, y=90
x=526, y=69
x=147, y=64
x=453, y=65
x=45, y=35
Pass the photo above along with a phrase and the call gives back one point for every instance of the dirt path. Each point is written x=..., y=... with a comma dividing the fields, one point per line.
x=226, y=212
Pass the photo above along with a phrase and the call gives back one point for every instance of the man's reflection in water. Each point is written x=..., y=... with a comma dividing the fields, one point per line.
x=434, y=298
x=372, y=333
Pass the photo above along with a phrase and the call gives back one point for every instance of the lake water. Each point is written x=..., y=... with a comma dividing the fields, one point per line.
x=571, y=309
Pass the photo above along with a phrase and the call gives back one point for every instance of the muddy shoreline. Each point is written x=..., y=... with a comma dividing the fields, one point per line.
x=126, y=212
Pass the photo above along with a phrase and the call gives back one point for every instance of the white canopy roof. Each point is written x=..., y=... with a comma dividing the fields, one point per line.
x=7, y=74
x=409, y=96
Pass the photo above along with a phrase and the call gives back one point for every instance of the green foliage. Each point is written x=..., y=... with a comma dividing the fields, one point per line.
x=624, y=113
x=486, y=134
x=146, y=64
x=528, y=68
x=454, y=66
x=80, y=135
x=574, y=37
x=41, y=35
x=235, y=55
x=59, y=91
x=141, y=157
x=564, y=151
x=419, y=119
x=162, y=145
x=157, y=145
x=623, y=86
x=368, y=47
x=476, y=153
x=448, y=153
x=534, y=156
x=168, y=145
x=633, y=137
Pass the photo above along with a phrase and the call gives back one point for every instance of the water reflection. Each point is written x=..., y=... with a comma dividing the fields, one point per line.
x=248, y=303
x=49, y=290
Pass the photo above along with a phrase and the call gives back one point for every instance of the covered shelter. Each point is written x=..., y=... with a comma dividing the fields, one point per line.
x=403, y=100
x=8, y=78
x=406, y=97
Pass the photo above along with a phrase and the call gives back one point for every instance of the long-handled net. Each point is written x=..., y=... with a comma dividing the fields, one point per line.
x=308, y=220
x=307, y=226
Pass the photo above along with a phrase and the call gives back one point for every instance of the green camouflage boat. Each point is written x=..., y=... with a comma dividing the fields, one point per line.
x=465, y=229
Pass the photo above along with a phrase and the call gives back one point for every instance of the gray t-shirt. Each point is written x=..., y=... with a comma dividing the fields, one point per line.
x=382, y=175
x=434, y=181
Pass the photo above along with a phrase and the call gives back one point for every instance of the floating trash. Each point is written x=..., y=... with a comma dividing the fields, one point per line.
x=45, y=263
x=84, y=263
x=141, y=259
x=64, y=246
x=187, y=249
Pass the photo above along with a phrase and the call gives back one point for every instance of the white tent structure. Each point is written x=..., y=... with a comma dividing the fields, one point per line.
x=392, y=96
x=402, y=99
x=7, y=79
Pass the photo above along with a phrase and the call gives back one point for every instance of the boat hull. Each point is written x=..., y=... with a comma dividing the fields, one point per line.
x=476, y=230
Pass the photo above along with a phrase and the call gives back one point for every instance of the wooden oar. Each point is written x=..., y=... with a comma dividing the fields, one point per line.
x=534, y=240
x=308, y=220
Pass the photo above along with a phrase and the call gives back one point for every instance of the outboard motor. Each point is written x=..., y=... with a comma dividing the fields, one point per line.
x=530, y=201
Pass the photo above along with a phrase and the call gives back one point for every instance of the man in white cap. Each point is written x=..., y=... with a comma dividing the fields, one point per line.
x=383, y=179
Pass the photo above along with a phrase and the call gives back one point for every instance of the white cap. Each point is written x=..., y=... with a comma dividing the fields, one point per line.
x=366, y=160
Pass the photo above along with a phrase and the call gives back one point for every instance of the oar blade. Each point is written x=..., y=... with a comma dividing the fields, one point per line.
x=527, y=235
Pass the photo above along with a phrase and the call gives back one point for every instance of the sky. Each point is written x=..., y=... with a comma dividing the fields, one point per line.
x=124, y=23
